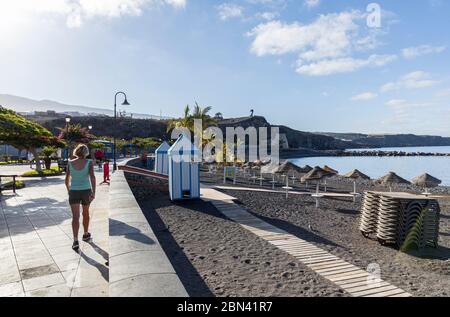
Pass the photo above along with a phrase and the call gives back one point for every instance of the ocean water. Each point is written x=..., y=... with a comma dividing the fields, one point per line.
x=376, y=167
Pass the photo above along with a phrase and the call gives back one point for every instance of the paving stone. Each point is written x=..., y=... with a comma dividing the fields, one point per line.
x=96, y=291
x=139, y=263
x=151, y=285
x=39, y=271
x=9, y=271
x=35, y=261
x=43, y=282
x=61, y=290
x=131, y=243
x=14, y=289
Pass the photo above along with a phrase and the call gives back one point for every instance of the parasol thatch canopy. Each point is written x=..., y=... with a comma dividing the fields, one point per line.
x=306, y=169
x=330, y=170
x=356, y=174
x=392, y=178
x=316, y=174
x=257, y=163
x=426, y=180
x=288, y=167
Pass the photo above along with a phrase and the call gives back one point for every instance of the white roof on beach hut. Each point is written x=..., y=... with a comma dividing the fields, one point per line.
x=183, y=146
x=163, y=148
x=162, y=159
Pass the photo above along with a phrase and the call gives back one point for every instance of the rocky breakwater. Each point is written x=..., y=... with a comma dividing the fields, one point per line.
x=389, y=153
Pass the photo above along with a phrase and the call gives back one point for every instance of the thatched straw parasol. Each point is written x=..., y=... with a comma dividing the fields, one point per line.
x=329, y=169
x=306, y=169
x=355, y=175
x=391, y=179
x=317, y=174
x=426, y=181
x=288, y=167
x=257, y=163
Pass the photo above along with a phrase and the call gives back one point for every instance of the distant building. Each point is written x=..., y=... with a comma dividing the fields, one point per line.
x=8, y=150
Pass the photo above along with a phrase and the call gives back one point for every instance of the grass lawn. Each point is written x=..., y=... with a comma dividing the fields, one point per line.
x=9, y=185
x=13, y=162
x=54, y=171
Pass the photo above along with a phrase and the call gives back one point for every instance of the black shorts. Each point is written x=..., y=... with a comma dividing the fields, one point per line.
x=82, y=197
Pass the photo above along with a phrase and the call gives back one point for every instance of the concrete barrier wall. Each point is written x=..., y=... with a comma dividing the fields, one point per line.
x=138, y=266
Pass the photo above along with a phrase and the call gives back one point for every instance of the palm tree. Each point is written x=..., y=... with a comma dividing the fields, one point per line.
x=183, y=122
x=202, y=114
x=188, y=119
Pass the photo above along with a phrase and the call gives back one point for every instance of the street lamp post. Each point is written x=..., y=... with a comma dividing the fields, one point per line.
x=67, y=152
x=125, y=103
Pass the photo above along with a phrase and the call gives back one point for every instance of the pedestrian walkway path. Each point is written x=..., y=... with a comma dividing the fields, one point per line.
x=354, y=280
x=36, y=240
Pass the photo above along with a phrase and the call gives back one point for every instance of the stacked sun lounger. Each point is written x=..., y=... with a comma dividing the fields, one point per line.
x=369, y=213
x=405, y=220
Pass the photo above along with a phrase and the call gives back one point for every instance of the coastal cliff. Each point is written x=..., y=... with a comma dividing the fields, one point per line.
x=300, y=142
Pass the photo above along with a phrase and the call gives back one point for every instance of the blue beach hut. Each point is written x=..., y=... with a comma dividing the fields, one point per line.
x=184, y=171
x=162, y=159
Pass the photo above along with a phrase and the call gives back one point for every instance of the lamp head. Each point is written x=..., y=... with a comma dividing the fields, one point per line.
x=125, y=103
x=67, y=120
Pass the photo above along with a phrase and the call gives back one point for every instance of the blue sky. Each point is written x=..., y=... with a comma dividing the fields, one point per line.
x=314, y=65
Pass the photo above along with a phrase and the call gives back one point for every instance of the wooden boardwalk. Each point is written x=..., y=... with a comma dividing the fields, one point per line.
x=354, y=280
x=292, y=192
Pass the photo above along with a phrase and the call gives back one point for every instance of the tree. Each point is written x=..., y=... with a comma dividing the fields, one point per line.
x=145, y=143
x=75, y=134
x=188, y=119
x=96, y=145
x=184, y=122
x=21, y=133
x=47, y=153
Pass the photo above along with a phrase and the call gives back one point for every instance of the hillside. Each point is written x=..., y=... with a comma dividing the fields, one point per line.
x=296, y=139
x=21, y=104
x=126, y=128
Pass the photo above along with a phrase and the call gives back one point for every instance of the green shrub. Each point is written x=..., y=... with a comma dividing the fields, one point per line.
x=9, y=185
x=54, y=171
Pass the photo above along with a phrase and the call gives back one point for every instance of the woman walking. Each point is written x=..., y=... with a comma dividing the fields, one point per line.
x=80, y=183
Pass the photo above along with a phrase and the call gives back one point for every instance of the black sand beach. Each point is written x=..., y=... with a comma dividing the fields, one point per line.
x=215, y=256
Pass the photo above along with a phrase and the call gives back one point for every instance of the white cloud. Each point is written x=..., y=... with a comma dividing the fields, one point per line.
x=312, y=3
x=396, y=103
x=407, y=113
x=324, y=47
x=364, y=96
x=343, y=65
x=413, y=52
x=230, y=10
x=180, y=4
x=328, y=36
x=77, y=11
x=412, y=81
x=267, y=15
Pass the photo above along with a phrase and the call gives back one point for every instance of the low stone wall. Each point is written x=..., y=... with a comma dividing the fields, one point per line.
x=138, y=266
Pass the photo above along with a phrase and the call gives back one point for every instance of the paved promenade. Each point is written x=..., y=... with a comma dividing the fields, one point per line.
x=36, y=239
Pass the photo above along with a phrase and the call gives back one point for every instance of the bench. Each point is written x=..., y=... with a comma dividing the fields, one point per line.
x=2, y=186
